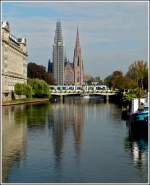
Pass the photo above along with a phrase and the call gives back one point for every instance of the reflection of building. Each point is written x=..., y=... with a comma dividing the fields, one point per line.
x=14, y=137
x=65, y=118
x=14, y=61
x=58, y=56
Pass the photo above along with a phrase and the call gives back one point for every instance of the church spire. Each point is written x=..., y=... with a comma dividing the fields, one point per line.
x=77, y=40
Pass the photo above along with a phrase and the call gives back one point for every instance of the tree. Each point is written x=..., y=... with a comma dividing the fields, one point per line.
x=19, y=89
x=23, y=89
x=108, y=81
x=39, y=71
x=28, y=91
x=88, y=79
x=128, y=83
x=138, y=71
x=98, y=80
x=40, y=88
x=117, y=79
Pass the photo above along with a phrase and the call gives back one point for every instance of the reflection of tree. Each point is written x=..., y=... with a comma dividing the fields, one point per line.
x=14, y=137
x=37, y=115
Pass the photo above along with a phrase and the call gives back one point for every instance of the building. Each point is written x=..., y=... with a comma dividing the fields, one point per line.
x=50, y=66
x=68, y=73
x=78, y=63
x=14, y=61
x=74, y=72
x=58, y=56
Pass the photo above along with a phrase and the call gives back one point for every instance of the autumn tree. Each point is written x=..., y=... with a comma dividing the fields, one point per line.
x=138, y=71
x=117, y=79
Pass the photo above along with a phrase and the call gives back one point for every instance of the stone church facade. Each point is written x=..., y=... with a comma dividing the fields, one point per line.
x=74, y=72
x=14, y=61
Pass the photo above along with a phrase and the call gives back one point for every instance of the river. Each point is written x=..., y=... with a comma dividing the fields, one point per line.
x=80, y=140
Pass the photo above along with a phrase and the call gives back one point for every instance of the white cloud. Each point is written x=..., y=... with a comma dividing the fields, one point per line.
x=107, y=33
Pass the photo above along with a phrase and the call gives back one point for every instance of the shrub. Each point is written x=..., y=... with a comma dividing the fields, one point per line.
x=19, y=89
x=40, y=88
x=28, y=91
x=23, y=89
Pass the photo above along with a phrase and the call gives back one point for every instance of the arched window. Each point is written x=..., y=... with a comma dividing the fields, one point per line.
x=78, y=61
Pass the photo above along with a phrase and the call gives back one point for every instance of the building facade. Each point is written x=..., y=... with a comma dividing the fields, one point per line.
x=78, y=63
x=58, y=56
x=14, y=61
x=74, y=73
x=68, y=73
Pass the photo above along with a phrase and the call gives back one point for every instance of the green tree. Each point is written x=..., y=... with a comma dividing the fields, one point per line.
x=23, y=89
x=19, y=89
x=40, y=88
x=108, y=81
x=28, y=91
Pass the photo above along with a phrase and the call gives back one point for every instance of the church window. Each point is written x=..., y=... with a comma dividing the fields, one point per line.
x=78, y=61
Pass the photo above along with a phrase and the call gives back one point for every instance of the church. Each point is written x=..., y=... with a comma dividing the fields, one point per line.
x=73, y=71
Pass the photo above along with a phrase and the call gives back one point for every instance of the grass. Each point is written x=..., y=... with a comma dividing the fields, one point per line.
x=23, y=101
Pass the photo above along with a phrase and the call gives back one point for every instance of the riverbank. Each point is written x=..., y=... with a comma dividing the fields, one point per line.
x=25, y=101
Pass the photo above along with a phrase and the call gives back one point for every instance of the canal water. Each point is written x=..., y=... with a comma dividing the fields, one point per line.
x=80, y=140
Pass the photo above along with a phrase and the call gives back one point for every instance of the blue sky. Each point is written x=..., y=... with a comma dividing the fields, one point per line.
x=112, y=34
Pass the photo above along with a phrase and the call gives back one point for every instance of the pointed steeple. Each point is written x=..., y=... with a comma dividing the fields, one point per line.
x=77, y=40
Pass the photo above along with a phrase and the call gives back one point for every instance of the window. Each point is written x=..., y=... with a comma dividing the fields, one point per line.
x=78, y=62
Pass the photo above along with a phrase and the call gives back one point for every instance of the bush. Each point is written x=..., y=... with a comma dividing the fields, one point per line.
x=40, y=88
x=28, y=91
x=19, y=89
x=23, y=89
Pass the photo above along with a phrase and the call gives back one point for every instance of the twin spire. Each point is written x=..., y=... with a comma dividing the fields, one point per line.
x=77, y=45
x=59, y=38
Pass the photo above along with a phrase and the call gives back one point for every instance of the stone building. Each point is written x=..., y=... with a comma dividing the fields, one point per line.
x=14, y=61
x=74, y=72
x=68, y=73
x=58, y=56
x=78, y=63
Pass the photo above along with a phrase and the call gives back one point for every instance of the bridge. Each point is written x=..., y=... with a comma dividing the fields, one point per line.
x=82, y=90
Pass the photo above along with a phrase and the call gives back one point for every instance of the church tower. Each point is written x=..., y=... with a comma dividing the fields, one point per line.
x=58, y=55
x=78, y=62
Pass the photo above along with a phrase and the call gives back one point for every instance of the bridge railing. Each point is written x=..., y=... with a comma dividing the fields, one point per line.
x=81, y=89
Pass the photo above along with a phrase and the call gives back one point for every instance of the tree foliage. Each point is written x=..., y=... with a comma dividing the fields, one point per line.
x=23, y=89
x=39, y=71
x=138, y=71
x=108, y=81
x=117, y=79
x=19, y=89
x=40, y=88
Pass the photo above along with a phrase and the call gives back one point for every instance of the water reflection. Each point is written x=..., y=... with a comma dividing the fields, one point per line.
x=14, y=137
x=62, y=119
x=137, y=147
x=80, y=139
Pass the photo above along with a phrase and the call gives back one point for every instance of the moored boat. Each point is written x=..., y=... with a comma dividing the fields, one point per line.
x=139, y=121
